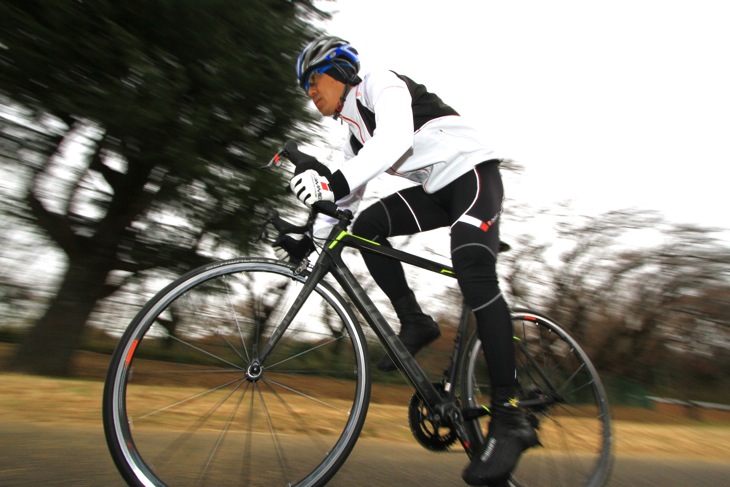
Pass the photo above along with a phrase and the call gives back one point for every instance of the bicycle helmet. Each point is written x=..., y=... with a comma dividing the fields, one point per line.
x=325, y=53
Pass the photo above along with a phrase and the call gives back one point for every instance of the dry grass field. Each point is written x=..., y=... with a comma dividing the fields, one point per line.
x=663, y=432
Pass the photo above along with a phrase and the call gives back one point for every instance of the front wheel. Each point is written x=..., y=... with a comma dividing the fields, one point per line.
x=568, y=404
x=186, y=402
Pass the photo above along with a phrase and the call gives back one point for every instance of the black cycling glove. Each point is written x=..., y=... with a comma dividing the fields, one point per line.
x=293, y=248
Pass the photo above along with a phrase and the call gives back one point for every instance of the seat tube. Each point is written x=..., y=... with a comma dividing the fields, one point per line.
x=459, y=344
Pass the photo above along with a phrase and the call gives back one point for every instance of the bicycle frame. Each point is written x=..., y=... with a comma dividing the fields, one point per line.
x=552, y=370
x=330, y=261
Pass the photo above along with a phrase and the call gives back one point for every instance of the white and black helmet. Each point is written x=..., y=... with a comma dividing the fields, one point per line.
x=325, y=53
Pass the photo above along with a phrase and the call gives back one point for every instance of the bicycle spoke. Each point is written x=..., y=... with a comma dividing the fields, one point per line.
x=205, y=352
x=304, y=395
x=300, y=354
x=187, y=399
x=275, y=438
x=298, y=417
x=222, y=435
x=182, y=439
x=233, y=312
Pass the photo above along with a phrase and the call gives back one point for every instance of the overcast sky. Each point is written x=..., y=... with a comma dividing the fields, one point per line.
x=621, y=104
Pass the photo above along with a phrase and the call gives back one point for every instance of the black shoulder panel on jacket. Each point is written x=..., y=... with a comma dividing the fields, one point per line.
x=355, y=144
x=368, y=117
x=426, y=105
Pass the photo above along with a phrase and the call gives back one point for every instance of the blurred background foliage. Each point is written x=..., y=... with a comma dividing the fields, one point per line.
x=649, y=300
x=132, y=137
x=131, y=143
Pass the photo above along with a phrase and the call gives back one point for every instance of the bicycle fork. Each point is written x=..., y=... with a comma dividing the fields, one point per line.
x=256, y=367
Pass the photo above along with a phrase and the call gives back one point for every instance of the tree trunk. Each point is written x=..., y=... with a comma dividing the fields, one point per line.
x=48, y=347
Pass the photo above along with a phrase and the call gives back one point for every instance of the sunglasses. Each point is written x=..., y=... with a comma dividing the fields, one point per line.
x=313, y=75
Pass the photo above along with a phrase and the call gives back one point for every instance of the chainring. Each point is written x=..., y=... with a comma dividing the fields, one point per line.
x=431, y=431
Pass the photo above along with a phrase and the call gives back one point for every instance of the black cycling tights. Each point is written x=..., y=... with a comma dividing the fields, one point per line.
x=470, y=205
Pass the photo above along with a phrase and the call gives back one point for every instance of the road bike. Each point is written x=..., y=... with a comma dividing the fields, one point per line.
x=256, y=372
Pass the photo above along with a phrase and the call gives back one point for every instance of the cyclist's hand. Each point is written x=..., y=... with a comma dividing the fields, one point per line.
x=294, y=248
x=304, y=162
x=310, y=187
x=314, y=164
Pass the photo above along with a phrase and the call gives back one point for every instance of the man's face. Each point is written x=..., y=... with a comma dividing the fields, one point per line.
x=325, y=92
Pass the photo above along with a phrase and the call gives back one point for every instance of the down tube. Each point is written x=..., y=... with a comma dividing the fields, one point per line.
x=418, y=379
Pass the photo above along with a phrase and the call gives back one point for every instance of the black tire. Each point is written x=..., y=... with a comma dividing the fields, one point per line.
x=183, y=405
x=575, y=432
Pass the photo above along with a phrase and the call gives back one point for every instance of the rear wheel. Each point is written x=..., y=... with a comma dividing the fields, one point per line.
x=569, y=405
x=186, y=402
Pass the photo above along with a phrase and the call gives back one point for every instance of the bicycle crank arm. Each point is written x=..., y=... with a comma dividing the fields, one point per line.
x=469, y=414
x=543, y=400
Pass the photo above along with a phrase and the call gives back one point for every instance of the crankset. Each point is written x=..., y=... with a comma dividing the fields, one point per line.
x=430, y=430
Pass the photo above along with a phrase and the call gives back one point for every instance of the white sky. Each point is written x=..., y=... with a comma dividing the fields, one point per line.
x=621, y=104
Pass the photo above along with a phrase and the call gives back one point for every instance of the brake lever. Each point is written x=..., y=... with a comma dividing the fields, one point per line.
x=263, y=234
x=282, y=226
x=276, y=160
x=291, y=151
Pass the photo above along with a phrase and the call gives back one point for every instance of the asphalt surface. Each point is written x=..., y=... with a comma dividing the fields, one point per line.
x=34, y=454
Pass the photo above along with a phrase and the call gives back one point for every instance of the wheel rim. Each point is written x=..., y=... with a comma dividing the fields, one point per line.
x=575, y=430
x=191, y=406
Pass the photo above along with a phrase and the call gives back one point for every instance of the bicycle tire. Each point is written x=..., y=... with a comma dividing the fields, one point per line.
x=182, y=405
x=576, y=432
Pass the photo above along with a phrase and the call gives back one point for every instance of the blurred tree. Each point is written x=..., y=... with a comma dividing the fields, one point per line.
x=140, y=126
x=676, y=304
x=645, y=298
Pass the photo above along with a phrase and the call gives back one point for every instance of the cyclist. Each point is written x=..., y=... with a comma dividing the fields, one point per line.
x=397, y=126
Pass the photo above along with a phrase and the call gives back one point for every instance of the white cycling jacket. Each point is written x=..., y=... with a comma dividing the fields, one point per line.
x=397, y=126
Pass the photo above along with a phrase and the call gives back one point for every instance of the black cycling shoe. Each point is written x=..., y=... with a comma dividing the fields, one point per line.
x=417, y=328
x=510, y=434
x=415, y=335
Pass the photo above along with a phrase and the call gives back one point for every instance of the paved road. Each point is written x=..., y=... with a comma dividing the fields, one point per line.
x=50, y=455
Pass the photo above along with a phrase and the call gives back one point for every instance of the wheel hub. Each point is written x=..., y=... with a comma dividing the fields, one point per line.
x=254, y=372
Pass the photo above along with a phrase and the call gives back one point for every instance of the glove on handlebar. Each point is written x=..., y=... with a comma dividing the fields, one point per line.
x=295, y=248
x=315, y=165
x=304, y=162
x=334, y=186
x=310, y=187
